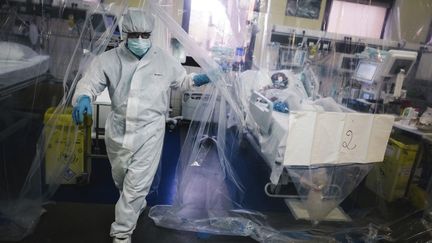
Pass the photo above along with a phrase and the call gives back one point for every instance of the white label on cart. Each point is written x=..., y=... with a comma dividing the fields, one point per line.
x=335, y=138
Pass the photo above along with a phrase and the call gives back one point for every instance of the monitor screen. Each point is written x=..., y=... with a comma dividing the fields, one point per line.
x=98, y=23
x=365, y=71
x=367, y=95
x=399, y=64
x=397, y=60
x=349, y=63
x=101, y=22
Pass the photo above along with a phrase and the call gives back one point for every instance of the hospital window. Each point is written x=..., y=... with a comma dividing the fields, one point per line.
x=358, y=19
x=209, y=24
x=217, y=23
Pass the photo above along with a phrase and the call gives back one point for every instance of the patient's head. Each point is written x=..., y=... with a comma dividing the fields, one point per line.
x=280, y=80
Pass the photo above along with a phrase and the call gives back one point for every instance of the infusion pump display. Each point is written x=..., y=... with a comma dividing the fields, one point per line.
x=366, y=71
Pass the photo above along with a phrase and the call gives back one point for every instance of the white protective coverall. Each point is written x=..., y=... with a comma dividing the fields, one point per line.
x=134, y=130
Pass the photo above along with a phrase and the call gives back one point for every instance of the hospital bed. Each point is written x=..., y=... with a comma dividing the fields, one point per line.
x=20, y=67
x=318, y=140
x=267, y=128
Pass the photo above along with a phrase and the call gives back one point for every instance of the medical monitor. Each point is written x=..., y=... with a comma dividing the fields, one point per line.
x=101, y=22
x=366, y=71
x=397, y=60
x=347, y=63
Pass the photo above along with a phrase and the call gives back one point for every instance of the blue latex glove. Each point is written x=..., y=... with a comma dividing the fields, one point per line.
x=280, y=106
x=200, y=79
x=82, y=107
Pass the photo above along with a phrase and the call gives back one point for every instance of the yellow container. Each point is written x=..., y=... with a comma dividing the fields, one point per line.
x=389, y=179
x=418, y=197
x=66, y=144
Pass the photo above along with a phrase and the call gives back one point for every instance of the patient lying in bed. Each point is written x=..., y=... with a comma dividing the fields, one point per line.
x=287, y=92
x=283, y=91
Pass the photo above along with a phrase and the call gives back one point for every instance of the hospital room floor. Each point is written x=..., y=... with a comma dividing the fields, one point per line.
x=87, y=223
x=84, y=213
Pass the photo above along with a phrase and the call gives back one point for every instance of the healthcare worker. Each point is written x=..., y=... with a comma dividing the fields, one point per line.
x=138, y=76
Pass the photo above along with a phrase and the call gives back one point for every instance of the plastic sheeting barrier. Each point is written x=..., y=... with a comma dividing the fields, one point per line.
x=210, y=185
x=27, y=184
x=228, y=115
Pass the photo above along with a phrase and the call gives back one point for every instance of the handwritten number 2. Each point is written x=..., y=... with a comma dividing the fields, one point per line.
x=346, y=145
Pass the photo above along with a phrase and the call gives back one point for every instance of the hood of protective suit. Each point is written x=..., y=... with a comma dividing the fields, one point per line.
x=138, y=21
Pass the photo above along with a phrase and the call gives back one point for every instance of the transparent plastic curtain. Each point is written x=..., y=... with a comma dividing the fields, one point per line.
x=45, y=49
x=294, y=74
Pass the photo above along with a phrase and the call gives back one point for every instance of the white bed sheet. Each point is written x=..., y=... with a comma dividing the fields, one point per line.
x=272, y=145
x=371, y=135
x=16, y=71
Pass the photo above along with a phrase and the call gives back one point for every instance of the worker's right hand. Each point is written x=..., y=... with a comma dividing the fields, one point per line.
x=82, y=107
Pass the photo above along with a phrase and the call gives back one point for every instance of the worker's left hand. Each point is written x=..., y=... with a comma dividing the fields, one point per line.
x=200, y=79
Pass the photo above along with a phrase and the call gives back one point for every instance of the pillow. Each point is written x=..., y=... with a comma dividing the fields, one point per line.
x=15, y=51
x=251, y=80
x=328, y=104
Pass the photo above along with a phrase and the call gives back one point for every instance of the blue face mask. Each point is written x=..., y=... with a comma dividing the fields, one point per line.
x=138, y=46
